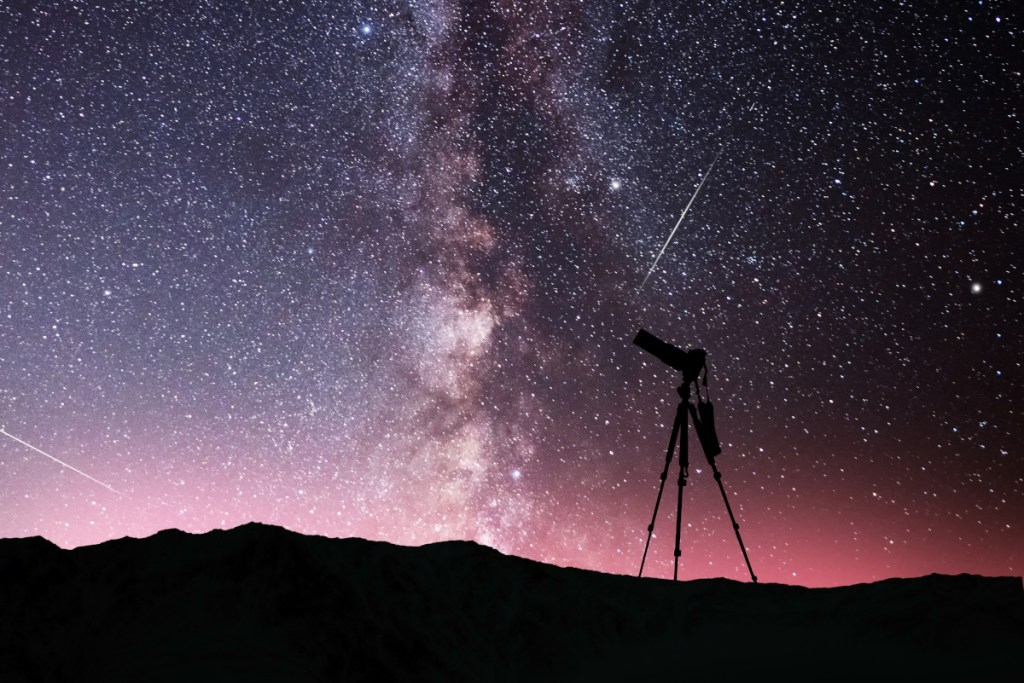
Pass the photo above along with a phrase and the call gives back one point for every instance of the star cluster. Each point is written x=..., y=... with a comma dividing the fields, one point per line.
x=374, y=269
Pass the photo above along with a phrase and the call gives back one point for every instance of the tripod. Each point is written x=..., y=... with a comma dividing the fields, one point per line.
x=702, y=416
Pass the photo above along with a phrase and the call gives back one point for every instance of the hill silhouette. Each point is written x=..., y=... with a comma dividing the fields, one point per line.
x=259, y=603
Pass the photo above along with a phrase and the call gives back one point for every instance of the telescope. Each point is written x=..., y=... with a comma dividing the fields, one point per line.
x=690, y=363
x=702, y=414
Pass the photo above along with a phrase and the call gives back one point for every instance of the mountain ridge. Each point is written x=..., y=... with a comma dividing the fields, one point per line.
x=265, y=603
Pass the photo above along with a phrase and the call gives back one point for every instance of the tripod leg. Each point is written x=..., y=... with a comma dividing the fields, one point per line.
x=684, y=472
x=680, y=416
x=735, y=526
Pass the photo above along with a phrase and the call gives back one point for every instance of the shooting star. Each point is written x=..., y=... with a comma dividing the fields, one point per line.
x=681, y=217
x=59, y=461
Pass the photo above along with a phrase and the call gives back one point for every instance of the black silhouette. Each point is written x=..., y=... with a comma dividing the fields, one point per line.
x=692, y=364
x=259, y=603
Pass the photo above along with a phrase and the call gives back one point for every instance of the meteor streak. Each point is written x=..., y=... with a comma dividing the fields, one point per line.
x=681, y=217
x=61, y=462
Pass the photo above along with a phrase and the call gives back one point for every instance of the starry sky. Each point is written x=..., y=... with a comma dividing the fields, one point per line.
x=373, y=269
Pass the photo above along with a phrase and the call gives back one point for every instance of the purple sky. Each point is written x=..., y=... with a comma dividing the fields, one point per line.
x=373, y=269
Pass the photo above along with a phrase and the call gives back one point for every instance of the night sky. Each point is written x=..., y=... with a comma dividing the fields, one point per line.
x=373, y=269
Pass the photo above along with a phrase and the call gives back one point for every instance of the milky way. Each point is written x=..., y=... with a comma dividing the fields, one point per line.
x=373, y=269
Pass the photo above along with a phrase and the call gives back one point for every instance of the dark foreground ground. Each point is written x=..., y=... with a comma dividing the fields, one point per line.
x=259, y=603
